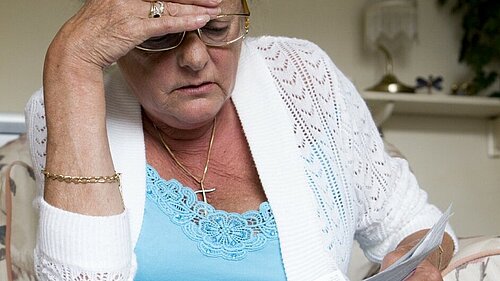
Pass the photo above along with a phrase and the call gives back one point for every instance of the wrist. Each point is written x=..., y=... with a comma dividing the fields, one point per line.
x=71, y=49
x=63, y=60
x=440, y=257
x=66, y=75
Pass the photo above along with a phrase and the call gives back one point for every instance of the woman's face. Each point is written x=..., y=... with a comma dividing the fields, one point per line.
x=184, y=87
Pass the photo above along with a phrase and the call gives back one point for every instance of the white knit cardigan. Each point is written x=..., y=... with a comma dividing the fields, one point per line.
x=318, y=155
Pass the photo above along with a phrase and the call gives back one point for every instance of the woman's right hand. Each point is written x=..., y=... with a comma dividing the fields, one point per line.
x=102, y=31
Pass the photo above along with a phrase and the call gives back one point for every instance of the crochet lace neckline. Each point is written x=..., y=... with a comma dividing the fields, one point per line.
x=218, y=233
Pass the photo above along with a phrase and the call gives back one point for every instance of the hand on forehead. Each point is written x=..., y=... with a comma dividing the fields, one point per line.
x=225, y=5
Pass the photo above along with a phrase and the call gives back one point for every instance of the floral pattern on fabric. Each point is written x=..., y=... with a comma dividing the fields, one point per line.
x=24, y=218
x=218, y=233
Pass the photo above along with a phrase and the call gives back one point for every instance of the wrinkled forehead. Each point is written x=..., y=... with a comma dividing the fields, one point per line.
x=232, y=6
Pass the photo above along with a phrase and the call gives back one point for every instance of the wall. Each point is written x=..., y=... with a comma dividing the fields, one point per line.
x=26, y=29
x=448, y=155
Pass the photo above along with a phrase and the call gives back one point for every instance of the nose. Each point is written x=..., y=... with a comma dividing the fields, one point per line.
x=192, y=53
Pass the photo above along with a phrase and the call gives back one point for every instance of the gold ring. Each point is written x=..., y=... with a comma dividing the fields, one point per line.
x=157, y=9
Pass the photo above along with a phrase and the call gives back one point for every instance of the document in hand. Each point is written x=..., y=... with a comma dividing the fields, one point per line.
x=405, y=265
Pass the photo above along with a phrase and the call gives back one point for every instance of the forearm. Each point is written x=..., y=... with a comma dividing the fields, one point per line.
x=77, y=143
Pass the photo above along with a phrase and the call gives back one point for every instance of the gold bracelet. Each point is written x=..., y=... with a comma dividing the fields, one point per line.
x=440, y=257
x=82, y=180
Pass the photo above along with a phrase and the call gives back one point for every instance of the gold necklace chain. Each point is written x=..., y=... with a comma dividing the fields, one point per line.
x=200, y=181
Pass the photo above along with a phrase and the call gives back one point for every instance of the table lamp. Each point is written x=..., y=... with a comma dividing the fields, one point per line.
x=390, y=25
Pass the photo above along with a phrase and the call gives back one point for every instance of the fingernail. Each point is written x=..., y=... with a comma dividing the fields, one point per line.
x=202, y=19
x=215, y=11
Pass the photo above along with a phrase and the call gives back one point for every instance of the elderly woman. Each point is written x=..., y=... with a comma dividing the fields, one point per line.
x=204, y=156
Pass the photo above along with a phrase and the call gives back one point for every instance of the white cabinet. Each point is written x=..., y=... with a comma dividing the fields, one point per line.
x=383, y=105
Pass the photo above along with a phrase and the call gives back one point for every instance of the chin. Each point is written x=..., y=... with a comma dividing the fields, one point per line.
x=196, y=116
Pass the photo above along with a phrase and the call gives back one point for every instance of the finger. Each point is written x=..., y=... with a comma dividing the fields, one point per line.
x=425, y=272
x=187, y=19
x=164, y=25
x=176, y=9
x=201, y=3
x=392, y=257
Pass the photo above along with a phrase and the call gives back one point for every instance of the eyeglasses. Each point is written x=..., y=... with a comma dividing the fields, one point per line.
x=221, y=31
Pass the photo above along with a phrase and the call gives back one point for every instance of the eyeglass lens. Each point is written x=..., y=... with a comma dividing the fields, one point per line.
x=217, y=32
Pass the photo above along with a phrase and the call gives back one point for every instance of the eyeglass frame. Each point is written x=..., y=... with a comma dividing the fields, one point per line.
x=198, y=32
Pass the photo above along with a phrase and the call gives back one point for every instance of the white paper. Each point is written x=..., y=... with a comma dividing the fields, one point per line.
x=406, y=264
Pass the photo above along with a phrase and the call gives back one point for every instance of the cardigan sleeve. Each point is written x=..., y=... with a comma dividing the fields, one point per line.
x=391, y=204
x=72, y=246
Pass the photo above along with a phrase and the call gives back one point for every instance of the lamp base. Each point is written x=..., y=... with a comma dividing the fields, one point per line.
x=389, y=83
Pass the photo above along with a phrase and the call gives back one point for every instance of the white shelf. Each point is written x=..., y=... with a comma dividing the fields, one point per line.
x=383, y=105
x=12, y=123
x=437, y=104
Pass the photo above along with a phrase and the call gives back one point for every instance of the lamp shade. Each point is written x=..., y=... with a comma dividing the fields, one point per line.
x=392, y=23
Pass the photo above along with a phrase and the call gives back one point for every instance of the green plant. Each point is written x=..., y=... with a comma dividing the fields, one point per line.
x=480, y=46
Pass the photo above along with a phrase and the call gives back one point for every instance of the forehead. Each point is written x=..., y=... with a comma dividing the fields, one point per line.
x=231, y=6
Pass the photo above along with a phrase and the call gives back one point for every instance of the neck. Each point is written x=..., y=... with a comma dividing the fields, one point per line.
x=201, y=179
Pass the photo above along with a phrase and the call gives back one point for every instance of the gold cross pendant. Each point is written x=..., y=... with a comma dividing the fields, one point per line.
x=204, y=192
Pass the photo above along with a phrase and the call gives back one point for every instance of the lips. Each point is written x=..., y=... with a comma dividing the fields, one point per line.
x=195, y=86
x=202, y=88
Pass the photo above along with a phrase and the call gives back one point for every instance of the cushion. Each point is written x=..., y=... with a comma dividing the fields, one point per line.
x=24, y=218
x=477, y=260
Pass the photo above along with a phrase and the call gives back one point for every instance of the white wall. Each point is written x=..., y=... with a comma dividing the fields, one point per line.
x=447, y=155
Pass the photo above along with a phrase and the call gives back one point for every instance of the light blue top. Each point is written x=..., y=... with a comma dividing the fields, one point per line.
x=183, y=238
